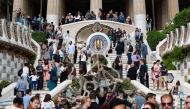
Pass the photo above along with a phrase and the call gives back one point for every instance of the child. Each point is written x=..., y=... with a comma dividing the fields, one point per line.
x=34, y=78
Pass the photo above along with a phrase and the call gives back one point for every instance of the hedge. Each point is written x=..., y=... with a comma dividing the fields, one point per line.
x=39, y=36
x=168, y=63
x=154, y=37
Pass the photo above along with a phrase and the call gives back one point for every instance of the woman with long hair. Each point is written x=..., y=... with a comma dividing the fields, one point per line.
x=63, y=50
x=149, y=105
x=45, y=50
x=34, y=102
x=142, y=72
x=118, y=66
x=85, y=103
x=38, y=96
x=46, y=71
x=136, y=59
x=53, y=73
x=83, y=59
x=174, y=92
x=127, y=67
x=63, y=72
x=156, y=76
x=47, y=102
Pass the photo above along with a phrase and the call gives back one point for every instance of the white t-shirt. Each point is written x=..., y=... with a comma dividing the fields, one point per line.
x=67, y=36
x=83, y=58
x=48, y=105
x=11, y=107
x=25, y=71
x=34, y=77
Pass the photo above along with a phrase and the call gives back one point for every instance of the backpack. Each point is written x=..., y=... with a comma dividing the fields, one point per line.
x=130, y=48
x=20, y=72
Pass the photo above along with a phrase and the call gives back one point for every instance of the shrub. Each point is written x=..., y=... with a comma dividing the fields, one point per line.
x=182, y=18
x=188, y=81
x=113, y=73
x=4, y=83
x=170, y=27
x=154, y=37
x=176, y=55
x=104, y=61
x=127, y=85
x=168, y=63
x=32, y=59
x=39, y=36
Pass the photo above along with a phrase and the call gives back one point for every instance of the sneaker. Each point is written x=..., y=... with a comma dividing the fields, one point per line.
x=154, y=89
x=167, y=89
x=163, y=89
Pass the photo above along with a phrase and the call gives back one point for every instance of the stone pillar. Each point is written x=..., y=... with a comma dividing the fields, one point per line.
x=130, y=10
x=95, y=5
x=164, y=13
x=139, y=9
x=16, y=5
x=53, y=11
x=173, y=8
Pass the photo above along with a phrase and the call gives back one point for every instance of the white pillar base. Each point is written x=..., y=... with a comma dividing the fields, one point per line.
x=140, y=22
x=52, y=18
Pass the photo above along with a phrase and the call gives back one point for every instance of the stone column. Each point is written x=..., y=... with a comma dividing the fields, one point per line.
x=173, y=8
x=139, y=10
x=95, y=5
x=53, y=11
x=16, y=5
x=130, y=10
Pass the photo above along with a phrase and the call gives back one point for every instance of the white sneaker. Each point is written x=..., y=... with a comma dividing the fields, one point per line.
x=163, y=89
x=154, y=89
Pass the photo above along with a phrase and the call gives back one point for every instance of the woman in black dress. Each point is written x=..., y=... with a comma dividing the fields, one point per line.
x=63, y=72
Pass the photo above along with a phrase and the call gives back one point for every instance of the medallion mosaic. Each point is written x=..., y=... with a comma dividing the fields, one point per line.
x=98, y=43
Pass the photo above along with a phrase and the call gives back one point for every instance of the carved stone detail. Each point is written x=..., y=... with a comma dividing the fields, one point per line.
x=163, y=47
x=15, y=32
x=1, y=32
x=8, y=30
x=179, y=36
x=21, y=37
x=185, y=34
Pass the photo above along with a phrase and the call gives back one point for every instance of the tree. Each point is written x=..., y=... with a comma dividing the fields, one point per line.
x=153, y=14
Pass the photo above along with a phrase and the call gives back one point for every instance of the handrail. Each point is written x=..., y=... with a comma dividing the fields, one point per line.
x=38, y=54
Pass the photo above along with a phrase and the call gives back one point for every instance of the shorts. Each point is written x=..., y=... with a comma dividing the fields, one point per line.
x=149, y=25
x=163, y=78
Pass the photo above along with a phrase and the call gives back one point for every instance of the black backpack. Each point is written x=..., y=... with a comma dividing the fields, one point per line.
x=130, y=48
x=20, y=72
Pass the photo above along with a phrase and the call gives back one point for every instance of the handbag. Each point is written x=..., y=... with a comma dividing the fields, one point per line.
x=157, y=76
x=55, y=79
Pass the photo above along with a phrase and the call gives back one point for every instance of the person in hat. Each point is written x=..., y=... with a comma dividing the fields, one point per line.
x=110, y=95
x=77, y=103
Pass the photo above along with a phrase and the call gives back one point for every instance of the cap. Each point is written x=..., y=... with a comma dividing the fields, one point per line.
x=109, y=91
x=77, y=100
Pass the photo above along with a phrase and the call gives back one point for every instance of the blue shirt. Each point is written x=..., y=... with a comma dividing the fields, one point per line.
x=21, y=85
x=26, y=101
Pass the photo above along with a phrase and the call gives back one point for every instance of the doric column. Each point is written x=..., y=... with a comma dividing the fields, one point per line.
x=173, y=8
x=130, y=9
x=95, y=5
x=53, y=11
x=139, y=10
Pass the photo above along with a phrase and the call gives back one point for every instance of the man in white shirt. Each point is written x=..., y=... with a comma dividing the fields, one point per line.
x=17, y=102
x=25, y=73
x=60, y=37
x=66, y=38
x=71, y=51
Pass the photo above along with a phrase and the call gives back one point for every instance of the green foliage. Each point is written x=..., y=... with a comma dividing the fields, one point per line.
x=75, y=85
x=168, y=63
x=182, y=18
x=55, y=100
x=170, y=27
x=4, y=83
x=39, y=36
x=32, y=59
x=154, y=37
x=104, y=61
x=176, y=55
x=113, y=73
x=188, y=81
x=127, y=85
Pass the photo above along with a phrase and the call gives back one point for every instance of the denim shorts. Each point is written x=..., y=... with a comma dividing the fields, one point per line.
x=149, y=25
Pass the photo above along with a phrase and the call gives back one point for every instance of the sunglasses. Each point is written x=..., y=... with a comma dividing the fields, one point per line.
x=164, y=104
x=145, y=108
x=187, y=102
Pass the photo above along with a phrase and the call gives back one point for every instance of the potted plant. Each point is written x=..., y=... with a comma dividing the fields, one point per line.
x=128, y=87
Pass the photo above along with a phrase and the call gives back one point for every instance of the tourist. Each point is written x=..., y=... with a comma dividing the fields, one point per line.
x=149, y=105
x=47, y=102
x=71, y=51
x=26, y=98
x=31, y=70
x=85, y=103
x=150, y=98
x=115, y=15
x=51, y=50
x=63, y=72
x=21, y=86
x=88, y=16
x=110, y=96
x=136, y=59
x=114, y=38
x=60, y=54
x=137, y=35
x=34, y=78
x=71, y=69
x=57, y=59
x=147, y=77
x=108, y=16
x=139, y=100
x=63, y=50
x=129, y=51
x=167, y=101
x=17, y=102
x=118, y=66
x=93, y=15
x=60, y=37
x=117, y=104
x=187, y=102
x=46, y=72
x=128, y=20
x=121, y=18
x=66, y=104
x=66, y=38
x=38, y=96
x=111, y=15
x=39, y=71
x=59, y=104
x=77, y=103
x=34, y=21
x=52, y=83
x=94, y=104
x=138, y=48
x=25, y=74
x=175, y=93
x=152, y=72
x=132, y=72
x=18, y=15
x=45, y=51
x=156, y=75
x=127, y=67
x=140, y=36
x=34, y=102
x=110, y=35
x=142, y=72
x=163, y=77
x=118, y=34
x=149, y=23
x=75, y=53
x=144, y=50
x=44, y=25
x=19, y=95
x=129, y=38
x=127, y=103
x=119, y=49
x=122, y=39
